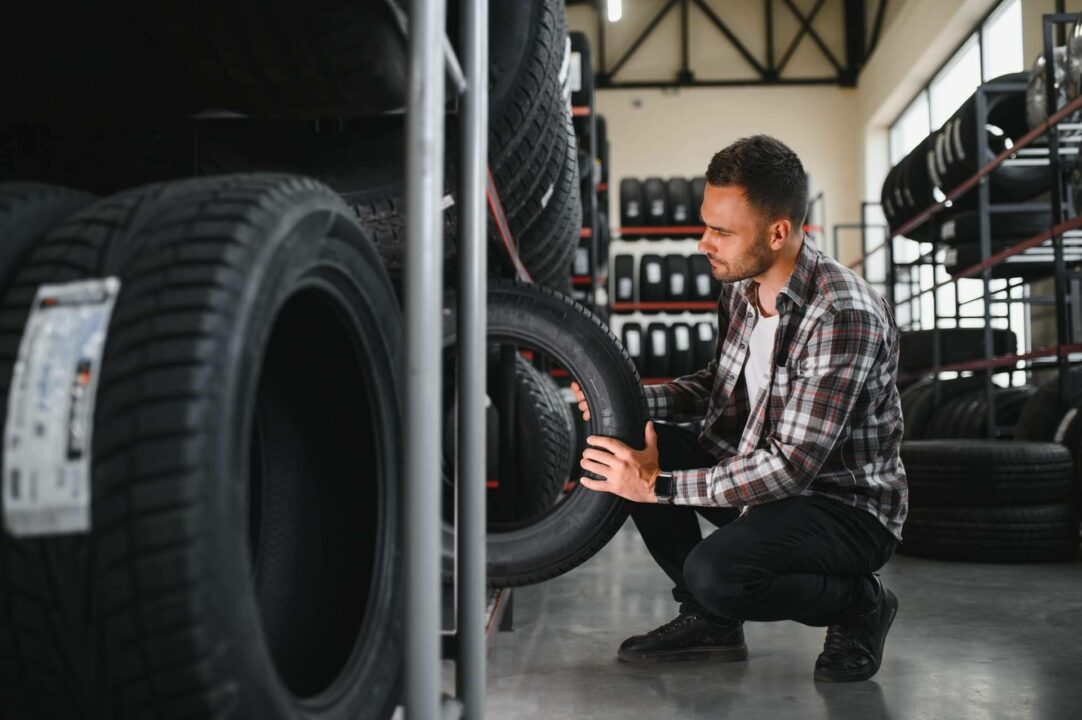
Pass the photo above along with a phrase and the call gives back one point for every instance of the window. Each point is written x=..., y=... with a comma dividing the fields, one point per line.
x=955, y=82
x=910, y=128
x=1001, y=40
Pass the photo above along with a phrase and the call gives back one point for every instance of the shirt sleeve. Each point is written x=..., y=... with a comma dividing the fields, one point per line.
x=825, y=388
x=684, y=399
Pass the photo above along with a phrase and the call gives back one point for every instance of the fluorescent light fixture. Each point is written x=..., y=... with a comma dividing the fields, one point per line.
x=615, y=9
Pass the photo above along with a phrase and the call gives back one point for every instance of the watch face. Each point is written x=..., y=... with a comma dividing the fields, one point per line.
x=663, y=486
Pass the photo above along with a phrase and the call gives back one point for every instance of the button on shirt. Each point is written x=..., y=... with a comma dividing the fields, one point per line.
x=830, y=422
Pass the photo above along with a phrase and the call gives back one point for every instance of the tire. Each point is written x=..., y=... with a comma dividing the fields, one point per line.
x=966, y=415
x=657, y=353
x=623, y=278
x=682, y=350
x=677, y=278
x=956, y=345
x=27, y=212
x=1041, y=419
x=633, y=342
x=1038, y=533
x=542, y=450
x=225, y=464
x=702, y=279
x=322, y=59
x=632, y=204
x=656, y=196
x=1074, y=59
x=569, y=334
x=963, y=228
x=680, y=210
x=919, y=402
x=706, y=339
x=986, y=472
x=652, y=282
x=698, y=192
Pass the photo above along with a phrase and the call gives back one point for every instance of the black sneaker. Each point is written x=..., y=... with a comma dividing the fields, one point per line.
x=688, y=638
x=854, y=651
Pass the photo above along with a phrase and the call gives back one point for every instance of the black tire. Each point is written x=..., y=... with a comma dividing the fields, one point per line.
x=323, y=59
x=966, y=415
x=698, y=191
x=656, y=196
x=1037, y=92
x=27, y=212
x=681, y=211
x=702, y=279
x=632, y=204
x=986, y=472
x=542, y=451
x=249, y=374
x=653, y=286
x=677, y=277
x=1038, y=533
x=657, y=351
x=963, y=228
x=1041, y=419
x=706, y=339
x=623, y=278
x=633, y=342
x=919, y=402
x=955, y=345
x=681, y=350
x=569, y=334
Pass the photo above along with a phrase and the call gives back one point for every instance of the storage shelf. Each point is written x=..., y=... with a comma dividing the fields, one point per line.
x=701, y=306
x=586, y=232
x=581, y=111
x=1004, y=362
x=579, y=280
x=661, y=230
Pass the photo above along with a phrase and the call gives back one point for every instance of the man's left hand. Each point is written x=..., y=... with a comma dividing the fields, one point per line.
x=628, y=473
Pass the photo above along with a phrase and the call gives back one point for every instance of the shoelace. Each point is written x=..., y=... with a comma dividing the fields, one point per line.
x=672, y=625
x=839, y=639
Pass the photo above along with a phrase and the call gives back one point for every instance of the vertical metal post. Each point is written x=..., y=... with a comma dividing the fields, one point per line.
x=984, y=216
x=423, y=305
x=472, y=359
x=1063, y=331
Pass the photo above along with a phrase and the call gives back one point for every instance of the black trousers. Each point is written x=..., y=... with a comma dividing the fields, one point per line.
x=806, y=558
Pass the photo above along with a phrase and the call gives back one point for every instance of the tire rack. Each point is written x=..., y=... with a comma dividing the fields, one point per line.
x=1058, y=356
x=430, y=58
x=584, y=118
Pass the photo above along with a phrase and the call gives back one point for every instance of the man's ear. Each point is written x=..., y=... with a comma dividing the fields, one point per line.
x=779, y=233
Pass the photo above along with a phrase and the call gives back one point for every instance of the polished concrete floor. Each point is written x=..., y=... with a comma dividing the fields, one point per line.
x=970, y=642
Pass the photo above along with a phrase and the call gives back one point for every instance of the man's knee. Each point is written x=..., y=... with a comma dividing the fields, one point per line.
x=720, y=583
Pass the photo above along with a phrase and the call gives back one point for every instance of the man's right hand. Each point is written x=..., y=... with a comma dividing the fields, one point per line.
x=582, y=400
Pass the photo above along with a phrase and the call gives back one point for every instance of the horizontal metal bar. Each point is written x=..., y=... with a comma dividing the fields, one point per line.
x=667, y=84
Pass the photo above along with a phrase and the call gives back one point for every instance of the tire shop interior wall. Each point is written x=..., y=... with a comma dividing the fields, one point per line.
x=675, y=132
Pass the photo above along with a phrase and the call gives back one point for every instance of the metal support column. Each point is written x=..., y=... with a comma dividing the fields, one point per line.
x=472, y=358
x=984, y=200
x=423, y=309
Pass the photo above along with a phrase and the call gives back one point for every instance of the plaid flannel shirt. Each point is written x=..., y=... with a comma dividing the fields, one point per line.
x=828, y=421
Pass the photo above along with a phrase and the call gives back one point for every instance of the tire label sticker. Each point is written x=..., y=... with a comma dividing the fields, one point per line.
x=702, y=284
x=705, y=332
x=658, y=338
x=48, y=430
x=625, y=288
x=653, y=273
x=634, y=344
x=676, y=284
x=682, y=338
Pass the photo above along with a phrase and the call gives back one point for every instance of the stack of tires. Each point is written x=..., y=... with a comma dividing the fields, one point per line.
x=950, y=155
x=653, y=202
x=989, y=501
x=212, y=368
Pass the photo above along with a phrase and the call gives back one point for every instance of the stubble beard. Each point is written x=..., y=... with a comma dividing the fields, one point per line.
x=751, y=265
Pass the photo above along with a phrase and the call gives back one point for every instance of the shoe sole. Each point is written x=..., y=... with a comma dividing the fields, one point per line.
x=729, y=654
x=853, y=676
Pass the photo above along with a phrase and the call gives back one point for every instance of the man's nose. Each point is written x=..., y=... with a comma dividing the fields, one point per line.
x=704, y=246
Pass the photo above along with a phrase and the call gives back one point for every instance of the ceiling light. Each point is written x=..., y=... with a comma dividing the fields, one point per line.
x=616, y=9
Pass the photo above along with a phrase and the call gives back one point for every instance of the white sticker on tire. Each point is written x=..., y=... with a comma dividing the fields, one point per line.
x=634, y=343
x=657, y=339
x=681, y=338
x=653, y=272
x=676, y=284
x=625, y=288
x=702, y=285
x=48, y=431
x=705, y=331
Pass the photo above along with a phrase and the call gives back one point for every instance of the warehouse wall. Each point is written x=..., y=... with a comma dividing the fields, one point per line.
x=667, y=133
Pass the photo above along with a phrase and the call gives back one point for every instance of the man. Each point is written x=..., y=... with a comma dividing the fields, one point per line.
x=797, y=462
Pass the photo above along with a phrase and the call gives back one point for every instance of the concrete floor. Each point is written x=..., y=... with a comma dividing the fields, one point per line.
x=970, y=642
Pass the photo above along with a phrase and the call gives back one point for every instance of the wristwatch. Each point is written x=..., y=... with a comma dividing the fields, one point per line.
x=663, y=488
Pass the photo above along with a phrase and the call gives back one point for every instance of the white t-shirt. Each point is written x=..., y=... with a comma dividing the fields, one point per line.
x=760, y=355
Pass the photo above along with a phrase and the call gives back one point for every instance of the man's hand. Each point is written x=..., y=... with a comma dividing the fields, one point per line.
x=581, y=397
x=629, y=473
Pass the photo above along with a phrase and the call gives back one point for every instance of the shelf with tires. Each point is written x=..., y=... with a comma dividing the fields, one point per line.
x=983, y=210
x=226, y=297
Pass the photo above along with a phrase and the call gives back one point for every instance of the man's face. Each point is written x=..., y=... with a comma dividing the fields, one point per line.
x=736, y=241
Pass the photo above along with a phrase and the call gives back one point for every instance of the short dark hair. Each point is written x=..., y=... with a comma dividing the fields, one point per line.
x=770, y=173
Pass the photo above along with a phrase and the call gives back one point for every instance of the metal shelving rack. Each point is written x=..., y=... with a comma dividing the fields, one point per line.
x=1067, y=349
x=584, y=118
x=431, y=61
